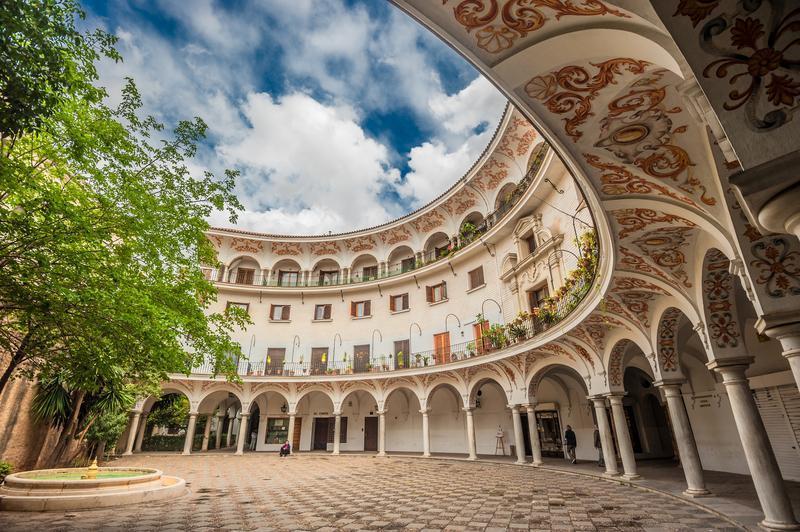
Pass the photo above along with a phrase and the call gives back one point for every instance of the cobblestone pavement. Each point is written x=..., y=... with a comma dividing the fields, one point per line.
x=320, y=492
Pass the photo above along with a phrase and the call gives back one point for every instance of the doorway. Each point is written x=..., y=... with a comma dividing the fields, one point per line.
x=550, y=433
x=320, y=440
x=361, y=362
x=371, y=433
x=298, y=427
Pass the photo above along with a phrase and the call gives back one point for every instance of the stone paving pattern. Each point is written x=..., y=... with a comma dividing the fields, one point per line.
x=321, y=492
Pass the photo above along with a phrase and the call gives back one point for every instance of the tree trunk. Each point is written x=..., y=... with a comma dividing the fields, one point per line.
x=69, y=431
x=16, y=359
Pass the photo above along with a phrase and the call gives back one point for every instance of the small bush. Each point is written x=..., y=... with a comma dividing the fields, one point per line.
x=5, y=469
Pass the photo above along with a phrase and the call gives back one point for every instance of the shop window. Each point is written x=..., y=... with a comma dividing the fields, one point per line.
x=277, y=430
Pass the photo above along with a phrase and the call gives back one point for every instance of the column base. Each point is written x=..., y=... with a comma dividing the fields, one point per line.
x=631, y=477
x=428, y=455
x=694, y=493
x=127, y=453
x=238, y=453
x=520, y=462
x=381, y=454
x=772, y=525
x=613, y=474
x=335, y=453
x=473, y=458
x=536, y=464
x=184, y=453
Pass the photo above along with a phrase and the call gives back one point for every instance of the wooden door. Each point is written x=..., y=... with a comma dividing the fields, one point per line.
x=371, y=433
x=320, y=442
x=298, y=427
x=318, y=365
x=360, y=358
x=481, y=342
x=401, y=361
x=245, y=275
x=441, y=347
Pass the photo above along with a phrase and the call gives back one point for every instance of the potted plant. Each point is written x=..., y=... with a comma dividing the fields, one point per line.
x=400, y=360
x=425, y=359
x=468, y=230
x=471, y=349
x=516, y=331
x=418, y=357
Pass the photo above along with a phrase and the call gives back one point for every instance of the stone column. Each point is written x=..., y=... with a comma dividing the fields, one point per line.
x=778, y=513
x=140, y=434
x=789, y=337
x=533, y=430
x=187, y=444
x=229, y=436
x=684, y=438
x=290, y=435
x=606, y=440
x=134, y=428
x=473, y=454
x=206, y=434
x=241, y=437
x=381, y=432
x=623, y=437
x=426, y=434
x=218, y=435
x=519, y=441
x=337, y=432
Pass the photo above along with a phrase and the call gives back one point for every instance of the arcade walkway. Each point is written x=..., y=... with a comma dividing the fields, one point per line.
x=351, y=492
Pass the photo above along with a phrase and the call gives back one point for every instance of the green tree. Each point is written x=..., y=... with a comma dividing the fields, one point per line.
x=171, y=412
x=102, y=226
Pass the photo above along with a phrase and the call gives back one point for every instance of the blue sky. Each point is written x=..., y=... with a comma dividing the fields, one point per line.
x=340, y=114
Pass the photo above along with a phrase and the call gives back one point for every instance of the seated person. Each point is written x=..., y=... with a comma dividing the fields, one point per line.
x=286, y=449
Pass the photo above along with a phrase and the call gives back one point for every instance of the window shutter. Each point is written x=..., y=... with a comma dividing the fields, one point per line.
x=405, y=301
x=271, y=311
x=367, y=308
x=285, y=312
x=392, y=306
x=327, y=313
x=353, y=308
x=444, y=290
x=429, y=294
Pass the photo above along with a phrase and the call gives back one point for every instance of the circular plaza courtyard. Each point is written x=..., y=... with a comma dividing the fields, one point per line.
x=355, y=492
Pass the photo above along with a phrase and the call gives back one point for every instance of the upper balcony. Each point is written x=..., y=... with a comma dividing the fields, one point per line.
x=286, y=273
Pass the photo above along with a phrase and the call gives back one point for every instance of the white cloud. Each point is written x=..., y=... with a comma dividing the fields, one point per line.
x=308, y=167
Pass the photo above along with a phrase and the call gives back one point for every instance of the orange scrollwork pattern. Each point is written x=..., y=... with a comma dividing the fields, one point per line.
x=497, y=28
x=572, y=89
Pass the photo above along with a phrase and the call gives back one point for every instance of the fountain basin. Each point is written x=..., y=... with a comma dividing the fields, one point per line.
x=63, y=489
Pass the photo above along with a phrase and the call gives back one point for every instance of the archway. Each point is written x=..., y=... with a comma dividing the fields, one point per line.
x=316, y=410
x=446, y=418
x=436, y=246
x=492, y=417
x=220, y=413
x=403, y=421
x=360, y=421
x=286, y=272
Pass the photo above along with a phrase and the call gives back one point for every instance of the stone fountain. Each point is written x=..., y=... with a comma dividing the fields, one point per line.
x=86, y=488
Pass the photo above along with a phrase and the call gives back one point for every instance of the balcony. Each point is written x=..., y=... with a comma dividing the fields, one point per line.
x=495, y=338
x=423, y=258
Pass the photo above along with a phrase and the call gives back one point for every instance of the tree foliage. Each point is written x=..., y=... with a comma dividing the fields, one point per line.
x=102, y=225
x=172, y=412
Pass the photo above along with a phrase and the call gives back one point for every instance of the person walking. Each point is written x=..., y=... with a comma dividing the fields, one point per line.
x=599, y=446
x=571, y=442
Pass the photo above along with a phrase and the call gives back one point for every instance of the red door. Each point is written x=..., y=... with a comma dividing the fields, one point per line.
x=441, y=347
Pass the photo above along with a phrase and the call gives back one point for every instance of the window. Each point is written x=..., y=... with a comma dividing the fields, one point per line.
x=245, y=275
x=287, y=278
x=441, y=251
x=537, y=296
x=342, y=429
x=369, y=272
x=328, y=278
x=277, y=430
x=279, y=312
x=406, y=265
x=207, y=273
x=399, y=302
x=360, y=309
x=322, y=312
x=436, y=293
x=476, y=278
x=531, y=241
x=275, y=358
x=243, y=306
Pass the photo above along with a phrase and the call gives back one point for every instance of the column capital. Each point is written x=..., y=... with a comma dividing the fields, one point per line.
x=468, y=409
x=615, y=398
x=245, y=414
x=136, y=412
x=381, y=412
x=424, y=411
x=598, y=400
x=732, y=369
x=513, y=407
x=337, y=414
x=194, y=414
x=290, y=414
x=669, y=383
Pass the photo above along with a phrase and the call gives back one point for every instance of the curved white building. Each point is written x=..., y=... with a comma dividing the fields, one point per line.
x=674, y=328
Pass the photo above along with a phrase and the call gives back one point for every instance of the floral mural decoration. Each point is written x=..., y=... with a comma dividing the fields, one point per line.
x=777, y=265
x=758, y=48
